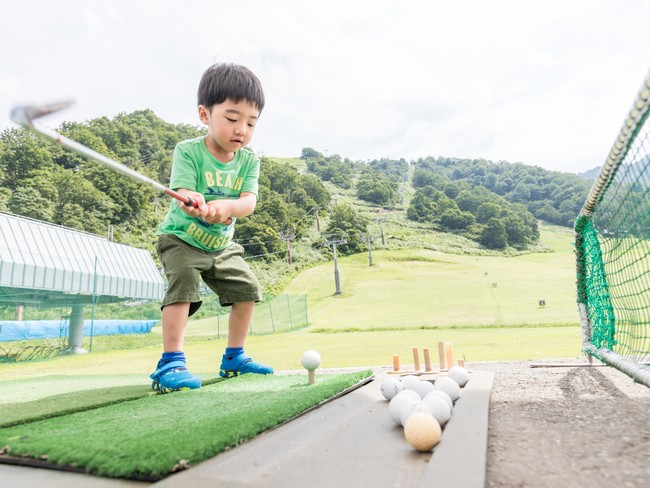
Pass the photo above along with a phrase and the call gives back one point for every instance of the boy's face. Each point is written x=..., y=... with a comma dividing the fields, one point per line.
x=230, y=127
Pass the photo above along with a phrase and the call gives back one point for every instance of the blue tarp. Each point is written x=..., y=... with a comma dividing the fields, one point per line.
x=13, y=330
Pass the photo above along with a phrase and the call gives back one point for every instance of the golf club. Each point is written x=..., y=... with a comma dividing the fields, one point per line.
x=24, y=115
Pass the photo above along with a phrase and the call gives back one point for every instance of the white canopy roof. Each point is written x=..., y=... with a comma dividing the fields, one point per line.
x=42, y=261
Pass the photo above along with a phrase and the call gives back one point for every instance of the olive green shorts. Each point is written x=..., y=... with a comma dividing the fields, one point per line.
x=225, y=272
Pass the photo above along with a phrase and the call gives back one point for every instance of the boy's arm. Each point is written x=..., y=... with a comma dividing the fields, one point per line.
x=219, y=211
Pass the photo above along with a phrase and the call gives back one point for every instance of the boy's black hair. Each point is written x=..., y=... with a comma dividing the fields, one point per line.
x=227, y=81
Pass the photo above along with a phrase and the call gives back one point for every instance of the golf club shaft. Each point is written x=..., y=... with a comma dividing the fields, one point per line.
x=21, y=116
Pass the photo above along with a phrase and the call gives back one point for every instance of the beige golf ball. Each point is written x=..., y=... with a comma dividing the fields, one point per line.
x=422, y=431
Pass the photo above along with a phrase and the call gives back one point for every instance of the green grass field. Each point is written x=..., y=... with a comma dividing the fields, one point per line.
x=384, y=310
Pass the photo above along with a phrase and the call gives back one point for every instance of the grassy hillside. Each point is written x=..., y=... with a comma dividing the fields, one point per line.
x=419, y=288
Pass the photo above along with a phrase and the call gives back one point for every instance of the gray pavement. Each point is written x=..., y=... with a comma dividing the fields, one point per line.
x=350, y=441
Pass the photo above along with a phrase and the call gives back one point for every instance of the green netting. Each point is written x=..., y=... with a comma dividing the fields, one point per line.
x=616, y=246
x=613, y=251
x=594, y=290
x=281, y=313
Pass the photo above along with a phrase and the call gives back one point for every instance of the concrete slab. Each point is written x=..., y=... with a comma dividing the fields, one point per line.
x=30, y=477
x=352, y=441
x=461, y=457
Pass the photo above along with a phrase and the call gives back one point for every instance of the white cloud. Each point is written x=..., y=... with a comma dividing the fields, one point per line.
x=546, y=84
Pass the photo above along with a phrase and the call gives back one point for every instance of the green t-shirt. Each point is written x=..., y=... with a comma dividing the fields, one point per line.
x=194, y=168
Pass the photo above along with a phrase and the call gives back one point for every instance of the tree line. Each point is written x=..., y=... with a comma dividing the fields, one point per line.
x=497, y=204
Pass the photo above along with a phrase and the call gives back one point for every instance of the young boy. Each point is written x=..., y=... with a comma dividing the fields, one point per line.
x=219, y=173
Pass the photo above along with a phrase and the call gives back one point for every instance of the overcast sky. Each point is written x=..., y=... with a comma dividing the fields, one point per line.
x=542, y=83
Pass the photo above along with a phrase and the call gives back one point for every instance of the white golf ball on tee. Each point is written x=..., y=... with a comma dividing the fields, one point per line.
x=310, y=360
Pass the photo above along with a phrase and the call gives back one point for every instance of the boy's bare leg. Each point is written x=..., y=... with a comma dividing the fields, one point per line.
x=240, y=320
x=174, y=321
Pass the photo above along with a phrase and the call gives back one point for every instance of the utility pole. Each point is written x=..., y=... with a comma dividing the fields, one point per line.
x=317, y=219
x=336, y=272
x=337, y=281
x=369, y=241
x=288, y=236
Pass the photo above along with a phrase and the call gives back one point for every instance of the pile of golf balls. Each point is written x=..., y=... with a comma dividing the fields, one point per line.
x=423, y=407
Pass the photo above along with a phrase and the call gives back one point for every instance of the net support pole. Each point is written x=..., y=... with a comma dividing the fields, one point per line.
x=585, y=324
x=635, y=371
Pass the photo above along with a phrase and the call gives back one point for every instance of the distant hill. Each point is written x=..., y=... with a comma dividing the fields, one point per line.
x=590, y=175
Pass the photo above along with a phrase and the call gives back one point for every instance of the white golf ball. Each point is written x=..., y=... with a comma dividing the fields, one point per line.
x=444, y=396
x=396, y=404
x=449, y=386
x=390, y=387
x=409, y=382
x=459, y=375
x=439, y=408
x=310, y=360
x=409, y=409
x=423, y=387
x=410, y=393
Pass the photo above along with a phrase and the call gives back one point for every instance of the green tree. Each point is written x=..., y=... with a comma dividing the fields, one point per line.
x=280, y=178
x=22, y=153
x=376, y=188
x=346, y=222
x=309, y=153
x=259, y=239
x=27, y=201
x=518, y=234
x=487, y=211
x=494, y=235
x=315, y=189
x=454, y=219
x=470, y=200
x=422, y=208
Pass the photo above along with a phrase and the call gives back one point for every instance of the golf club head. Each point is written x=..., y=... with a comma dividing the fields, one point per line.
x=25, y=114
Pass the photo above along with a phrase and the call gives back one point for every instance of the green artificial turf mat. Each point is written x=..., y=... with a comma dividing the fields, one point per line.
x=48, y=404
x=150, y=437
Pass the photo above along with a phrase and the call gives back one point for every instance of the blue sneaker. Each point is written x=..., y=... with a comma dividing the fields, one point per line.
x=232, y=366
x=174, y=376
